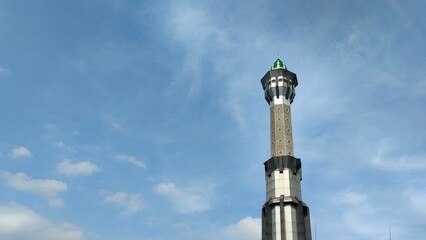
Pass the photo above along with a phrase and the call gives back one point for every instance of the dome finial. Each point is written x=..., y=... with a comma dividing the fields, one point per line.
x=278, y=64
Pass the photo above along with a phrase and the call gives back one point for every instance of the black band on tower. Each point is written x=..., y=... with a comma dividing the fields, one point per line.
x=282, y=162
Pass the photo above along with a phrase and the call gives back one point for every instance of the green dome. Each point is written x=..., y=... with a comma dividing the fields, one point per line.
x=278, y=64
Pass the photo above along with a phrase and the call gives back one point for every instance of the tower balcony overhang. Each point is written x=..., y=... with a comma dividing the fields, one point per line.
x=279, y=84
x=279, y=72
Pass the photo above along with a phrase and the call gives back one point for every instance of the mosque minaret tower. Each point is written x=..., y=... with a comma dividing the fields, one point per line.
x=284, y=215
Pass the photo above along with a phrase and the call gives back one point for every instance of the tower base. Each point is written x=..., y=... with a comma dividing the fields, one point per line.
x=299, y=227
x=284, y=215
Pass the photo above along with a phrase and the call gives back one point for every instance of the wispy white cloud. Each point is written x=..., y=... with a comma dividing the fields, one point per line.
x=114, y=124
x=206, y=38
x=60, y=144
x=386, y=160
x=4, y=70
x=52, y=128
x=351, y=197
x=20, y=223
x=20, y=152
x=194, y=199
x=116, y=5
x=247, y=228
x=196, y=32
x=236, y=105
x=22, y=182
x=192, y=25
x=49, y=188
x=66, y=167
x=129, y=202
x=58, y=137
x=359, y=214
x=364, y=223
x=130, y=159
x=56, y=202
x=184, y=229
x=417, y=200
x=420, y=87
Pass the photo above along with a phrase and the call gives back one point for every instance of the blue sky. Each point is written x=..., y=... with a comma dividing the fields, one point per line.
x=146, y=119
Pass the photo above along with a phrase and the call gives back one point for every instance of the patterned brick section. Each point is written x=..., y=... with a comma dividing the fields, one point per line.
x=281, y=131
